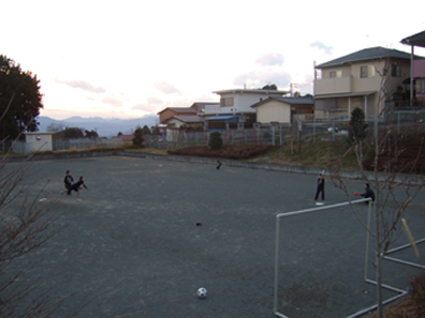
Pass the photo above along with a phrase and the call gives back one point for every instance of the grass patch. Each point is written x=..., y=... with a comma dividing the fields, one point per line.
x=319, y=154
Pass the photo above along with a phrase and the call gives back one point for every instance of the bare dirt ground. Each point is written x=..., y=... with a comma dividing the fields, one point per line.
x=414, y=152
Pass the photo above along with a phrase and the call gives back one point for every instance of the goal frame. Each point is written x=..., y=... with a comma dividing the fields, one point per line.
x=294, y=213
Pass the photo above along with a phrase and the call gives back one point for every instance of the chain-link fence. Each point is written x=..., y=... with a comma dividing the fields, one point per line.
x=26, y=148
x=83, y=143
x=306, y=128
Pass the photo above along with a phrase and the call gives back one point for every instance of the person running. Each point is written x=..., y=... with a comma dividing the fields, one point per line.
x=77, y=186
x=218, y=165
x=68, y=181
x=367, y=194
x=320, y=187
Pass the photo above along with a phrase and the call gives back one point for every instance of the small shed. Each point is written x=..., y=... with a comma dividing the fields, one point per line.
x=38, y=141
x=283, y=109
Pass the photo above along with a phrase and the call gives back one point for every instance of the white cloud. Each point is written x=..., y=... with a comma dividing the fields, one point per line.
x=86, y=86
x=155, y=100
x=270, y=59
x=166, y=87
x=327, y=49
x=112, y=101
x=140, y=106
x=258, y=79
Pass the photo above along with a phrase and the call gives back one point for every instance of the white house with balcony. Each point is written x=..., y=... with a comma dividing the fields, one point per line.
x=239, y=101
x=364, y=79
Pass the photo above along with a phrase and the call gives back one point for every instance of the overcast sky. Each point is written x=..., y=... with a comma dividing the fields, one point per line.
x=127, y=59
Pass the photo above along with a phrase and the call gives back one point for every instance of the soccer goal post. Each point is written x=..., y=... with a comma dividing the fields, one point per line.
x=279, y=216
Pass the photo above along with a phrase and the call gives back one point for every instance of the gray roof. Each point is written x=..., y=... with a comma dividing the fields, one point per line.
x=340, y=95
x=187, y=119
x=288, y=100
x=374, y=53
x=417, y=39
x=179, y=110
x=203, y=104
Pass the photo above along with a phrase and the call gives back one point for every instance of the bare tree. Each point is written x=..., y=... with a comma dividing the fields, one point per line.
x=26, y=224
x=387, y=173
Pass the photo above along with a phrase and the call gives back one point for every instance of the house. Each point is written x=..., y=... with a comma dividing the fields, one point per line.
x=417, y=81
x=176, y=122
x=239, y=101
x=283, y=109
x=355, y=80
x=176, y=111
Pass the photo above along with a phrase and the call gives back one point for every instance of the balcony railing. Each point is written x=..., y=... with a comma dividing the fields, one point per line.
x=332, y=85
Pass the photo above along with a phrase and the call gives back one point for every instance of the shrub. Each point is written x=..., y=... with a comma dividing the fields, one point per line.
x=417, y=285
x=215, y=141
x=138, y=138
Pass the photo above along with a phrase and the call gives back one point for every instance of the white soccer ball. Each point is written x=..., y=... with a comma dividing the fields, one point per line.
x=201, y=293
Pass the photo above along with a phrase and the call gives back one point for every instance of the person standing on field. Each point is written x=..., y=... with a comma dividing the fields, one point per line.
x=320, y=187
x=68, y=181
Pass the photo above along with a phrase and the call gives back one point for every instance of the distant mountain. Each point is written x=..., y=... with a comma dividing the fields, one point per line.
x=105, y=127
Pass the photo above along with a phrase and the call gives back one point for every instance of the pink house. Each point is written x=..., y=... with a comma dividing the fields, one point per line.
x=417, y=83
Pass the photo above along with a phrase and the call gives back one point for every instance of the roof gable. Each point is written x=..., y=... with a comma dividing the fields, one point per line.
x=179, y=110
x=186, y=119
x=292, y=101
x=374, y=53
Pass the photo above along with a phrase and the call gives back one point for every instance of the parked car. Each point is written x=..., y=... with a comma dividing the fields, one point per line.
x=337, y=131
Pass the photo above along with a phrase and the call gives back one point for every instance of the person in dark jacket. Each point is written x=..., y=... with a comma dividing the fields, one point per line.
x=367, y=194
x=68, y=181
x=77, y=186
x=320, y=188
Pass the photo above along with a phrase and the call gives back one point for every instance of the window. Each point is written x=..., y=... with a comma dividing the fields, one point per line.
x=395, y=70
x=420, y=86
x=335, y=74
x=226, y=101
x=367, y=71
x=363, y=71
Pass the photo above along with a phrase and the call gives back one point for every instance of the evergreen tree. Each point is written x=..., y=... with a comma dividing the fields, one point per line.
x=357, y=128
x=20, y=99
x=138, y=138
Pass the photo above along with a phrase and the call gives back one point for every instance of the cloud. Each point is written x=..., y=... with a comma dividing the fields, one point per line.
x=112, y=101
x=258, y=79
x=86, y=86
x=270, y=59
x=166, y=87
x=140, y=106
x=321, y=46
x=155, y=100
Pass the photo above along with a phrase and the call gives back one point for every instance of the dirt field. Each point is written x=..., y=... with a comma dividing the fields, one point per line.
x=148, y=233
